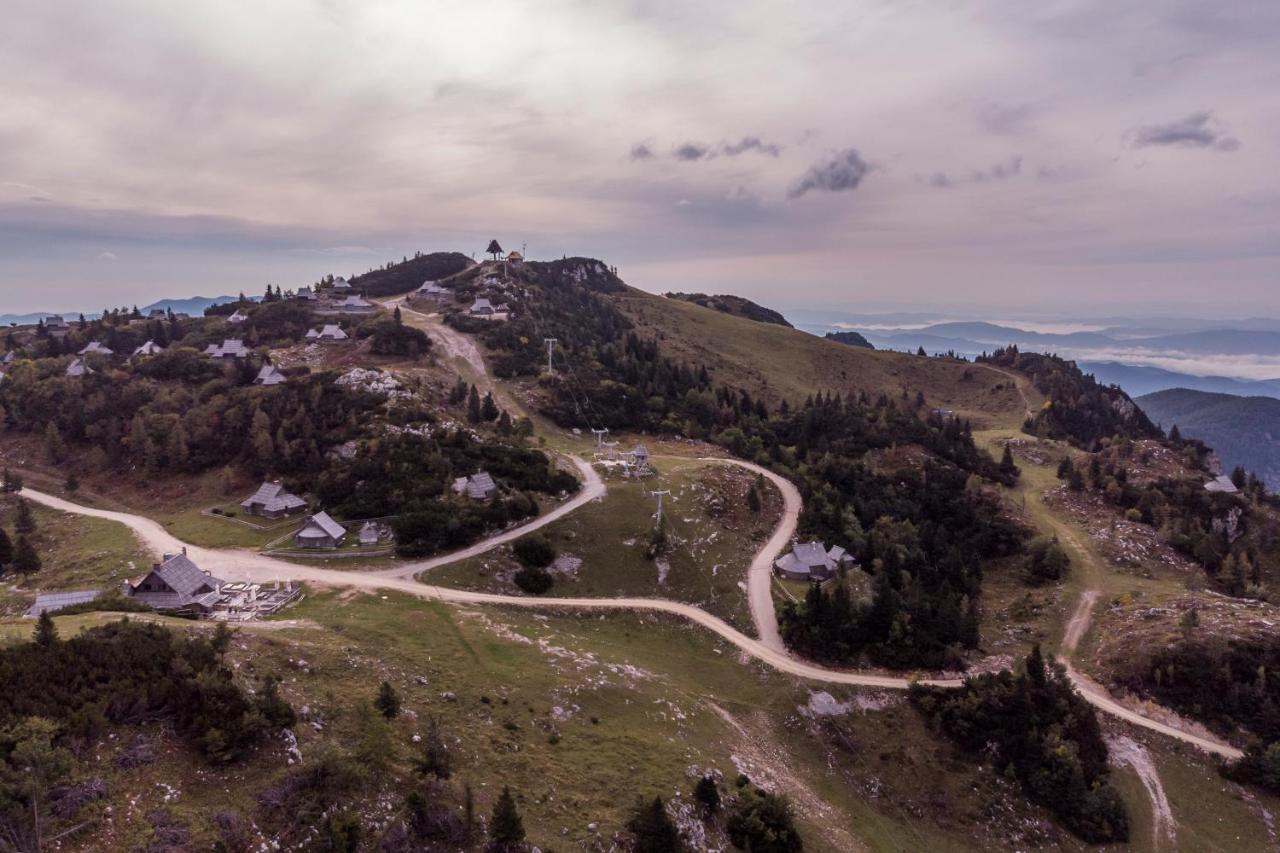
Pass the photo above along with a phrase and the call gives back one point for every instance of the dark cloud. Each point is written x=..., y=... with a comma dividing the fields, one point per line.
x=750, y=143
x=1197, y=130
x=641, y=151
x=939, y=180
x=841, y=171
x=691, y=151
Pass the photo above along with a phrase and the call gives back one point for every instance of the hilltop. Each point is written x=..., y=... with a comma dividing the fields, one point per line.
x=1244, y=431
x=735, y=305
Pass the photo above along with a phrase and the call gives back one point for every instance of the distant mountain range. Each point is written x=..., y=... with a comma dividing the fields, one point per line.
x=193, y=305
x=1137, y=380
x=1243, y=430
x=1141, y=356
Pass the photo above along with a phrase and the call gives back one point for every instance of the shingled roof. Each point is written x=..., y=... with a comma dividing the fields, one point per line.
x=322, y=523
x=272, y=497
x=183, y=585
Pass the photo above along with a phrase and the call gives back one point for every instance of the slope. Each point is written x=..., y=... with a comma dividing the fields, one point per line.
x=1243, y=430
x=781, y=363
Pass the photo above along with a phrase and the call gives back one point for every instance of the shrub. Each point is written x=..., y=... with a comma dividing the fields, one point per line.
x=533, y=580
x=534, y=550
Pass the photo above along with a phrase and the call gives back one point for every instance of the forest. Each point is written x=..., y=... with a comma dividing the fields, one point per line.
x=1038, y=730
x=1225, y=683
x=408, y=475
x=1077, y=409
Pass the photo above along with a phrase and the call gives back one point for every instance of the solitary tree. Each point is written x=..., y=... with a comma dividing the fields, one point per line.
x=388, y=701
x=753, y=499
x=26, y=520
x=494, y=249
x=46, y=634
x=473, y=406
x=6, y=550
x=653, y=828
x=435, y=760
x=708, y=793
x=506, y=828
x=25, y=559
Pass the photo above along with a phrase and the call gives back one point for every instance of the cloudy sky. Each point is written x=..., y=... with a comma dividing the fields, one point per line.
x=1081, y=156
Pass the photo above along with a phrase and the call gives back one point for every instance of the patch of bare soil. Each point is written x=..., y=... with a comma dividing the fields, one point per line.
x=1124, y=751
x=765, y=760
x=1034, y=450
x=1128, y=546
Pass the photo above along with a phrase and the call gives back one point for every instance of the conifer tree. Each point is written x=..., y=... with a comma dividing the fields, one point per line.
x=473, y=406
x=25, y=523
x=489, y=409
x=6, y=551
x=388, y=701
x=435, y=760
x=46, y=632
x=653, y=828
x=25, y=559
x=506, y=826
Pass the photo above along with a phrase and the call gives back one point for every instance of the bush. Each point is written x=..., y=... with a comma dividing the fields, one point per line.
x=762, y=822
x=534, y=550
x=1046, y=561
x=534, y=580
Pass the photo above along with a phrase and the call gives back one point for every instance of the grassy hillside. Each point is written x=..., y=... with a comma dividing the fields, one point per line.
x=735, y=305
x=777, y=362
x=1243, y=430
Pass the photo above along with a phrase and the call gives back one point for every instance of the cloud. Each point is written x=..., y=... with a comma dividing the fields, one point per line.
x=691, y=151
x=1197, y=130
x=1003, y=118
x=1008, y=169
x=106, y=256
x=750, y=143
x=1001, y=171
x=841, y=171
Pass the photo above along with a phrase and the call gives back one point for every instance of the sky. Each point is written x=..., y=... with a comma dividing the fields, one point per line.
x=1063, y=156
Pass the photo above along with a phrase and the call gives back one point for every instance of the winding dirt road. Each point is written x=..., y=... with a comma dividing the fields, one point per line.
x=760, y=575
x=236, y=564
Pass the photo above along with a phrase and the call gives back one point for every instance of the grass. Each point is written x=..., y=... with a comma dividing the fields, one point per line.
x=779, y=362
x=713, y=538
x=640, y=700
x=76, y=552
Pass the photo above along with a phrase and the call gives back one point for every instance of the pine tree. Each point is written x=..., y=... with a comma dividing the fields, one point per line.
x=54, y=447
x=653, y=828
x=753, y=499
x=473, y=406
x=6, y=550
x=396, y=314
x=489, y=409
x=25, y=559
x=494, y=249
x=435, y=760
x=72, y=484
x=506, y=825
x=25, y=523
x=388, y=701
x=46, y=632
x=708, y=793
